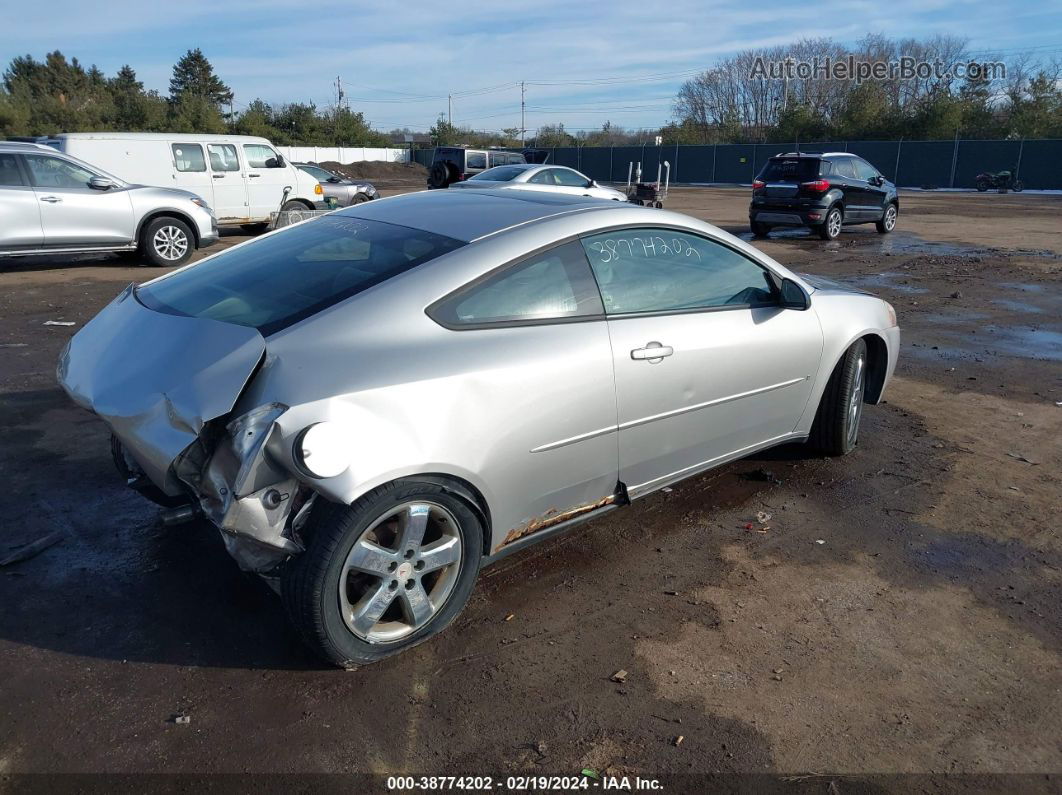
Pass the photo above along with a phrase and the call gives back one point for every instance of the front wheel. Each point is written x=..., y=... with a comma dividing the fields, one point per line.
x=888, y=220
x=1018, y=186
x=166, y=242
x=384, y=574
x=836, y=427
x=831, y=227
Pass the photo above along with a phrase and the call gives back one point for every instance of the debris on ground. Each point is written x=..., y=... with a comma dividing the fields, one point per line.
x=667, y=489
x=510, y=617
x=678, y=740
x=820, y=540
x=33, y=548
x=619, y=676
x=763, y=517
x=763, y=475
x=181, y=720
x=1025, y=458
x=59, y=323
x=589, y=772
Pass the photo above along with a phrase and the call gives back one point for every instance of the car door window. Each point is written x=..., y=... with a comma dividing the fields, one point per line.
x=569, y=178
x=476, y=160
x=543, y=177
x=55, y=172
x=844, y=168
x=864, y=170
x=10, y=174
x=259, y=155
x=551, y=285
x=188, y=157
x=223, y=157
x=663, y=270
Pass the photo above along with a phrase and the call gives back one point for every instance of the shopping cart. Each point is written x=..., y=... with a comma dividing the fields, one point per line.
x=650, y=194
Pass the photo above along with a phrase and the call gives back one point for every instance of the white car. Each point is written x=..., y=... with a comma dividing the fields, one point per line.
x=552, y=179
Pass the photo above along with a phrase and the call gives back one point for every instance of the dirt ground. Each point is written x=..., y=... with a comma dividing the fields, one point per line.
x=900, y=612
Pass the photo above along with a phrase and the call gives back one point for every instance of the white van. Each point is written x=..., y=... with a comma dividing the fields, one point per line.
x=242, y=177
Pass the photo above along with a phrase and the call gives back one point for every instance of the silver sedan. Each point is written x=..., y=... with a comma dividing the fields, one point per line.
x=373, y=405
x=548, y=179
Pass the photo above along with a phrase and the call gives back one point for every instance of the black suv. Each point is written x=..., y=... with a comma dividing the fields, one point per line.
x=455, y=163
x=821, y=190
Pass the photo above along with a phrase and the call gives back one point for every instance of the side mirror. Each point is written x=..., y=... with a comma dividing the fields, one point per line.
x=280, y=161
x=792, y=296
x=100, y=183
x=334, y=180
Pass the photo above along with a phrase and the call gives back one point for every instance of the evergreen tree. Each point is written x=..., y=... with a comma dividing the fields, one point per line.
x=193, y=76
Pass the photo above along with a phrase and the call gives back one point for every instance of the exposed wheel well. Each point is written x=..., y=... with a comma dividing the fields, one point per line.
x=303, y=202
x=168, y=214
x=877, y=367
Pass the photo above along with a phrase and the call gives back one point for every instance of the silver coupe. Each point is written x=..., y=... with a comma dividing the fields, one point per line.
x=372, y=405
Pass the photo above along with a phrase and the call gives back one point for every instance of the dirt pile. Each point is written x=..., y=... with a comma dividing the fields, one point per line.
x=380, y=170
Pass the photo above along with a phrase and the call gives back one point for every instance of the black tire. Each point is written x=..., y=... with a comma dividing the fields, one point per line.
x=659, y=205
x=440, y=175
x=1018, y=186
x=294, y=205
x=835, y=430
x=829, y=229
x=359, y=198
x=887, y=224
x=310, y=582
x=166, y=242
x=758, y=229
x=982, y=186
x=254, y=229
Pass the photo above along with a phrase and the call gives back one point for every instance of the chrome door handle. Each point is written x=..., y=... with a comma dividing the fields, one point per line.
x=653, y=352
x=50, y=199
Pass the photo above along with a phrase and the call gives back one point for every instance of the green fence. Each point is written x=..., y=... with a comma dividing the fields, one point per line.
x=910, y=164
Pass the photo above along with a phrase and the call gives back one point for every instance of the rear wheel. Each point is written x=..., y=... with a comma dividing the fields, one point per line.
x=384, y=574
x=254, y=229
x=166, y=242
x=888, y=220
x=440, y=175
x=758, y=229
x=836, y=427
x=831, y=227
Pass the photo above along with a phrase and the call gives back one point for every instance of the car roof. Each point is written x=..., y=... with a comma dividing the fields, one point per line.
x=25, y=146
x=469, y=215
x=174, y=137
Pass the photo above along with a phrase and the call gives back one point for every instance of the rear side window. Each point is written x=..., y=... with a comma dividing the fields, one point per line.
x=513, y=157
x=500, y=173
x=189, y=157
x=663, y=270
x=476, y=160
x=9, y=170
x=270, y=283
x=223, y=157
x=552, y=285
x=797, y=169
x=843, y=167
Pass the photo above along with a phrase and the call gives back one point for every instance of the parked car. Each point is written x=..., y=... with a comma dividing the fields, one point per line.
x=243, y=177
x=446, y=377
x=52, y=203
x=452, y=164
x=343, y=190
x=823, y=191
x=552, y=179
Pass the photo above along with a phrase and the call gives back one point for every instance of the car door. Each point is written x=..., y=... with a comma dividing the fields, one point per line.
x=266, y=180
x=20, y=212
x=74, y=214
x=532, y=343
x=229, y=181
x=855, y=189
x=572, y=182
x=542, y=180
x=873, y=187
x=708, y=364
x=190, y=170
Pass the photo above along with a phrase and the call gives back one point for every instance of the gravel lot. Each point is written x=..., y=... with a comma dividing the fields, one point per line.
x=902, y=613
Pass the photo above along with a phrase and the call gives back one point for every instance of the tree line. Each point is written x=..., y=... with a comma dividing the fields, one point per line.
x=728, y=103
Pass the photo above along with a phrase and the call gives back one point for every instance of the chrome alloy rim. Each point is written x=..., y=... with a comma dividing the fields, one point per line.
x=170, y=242
x=400, y=572
x=890, y=217
x=834, y=222
x=855, y=403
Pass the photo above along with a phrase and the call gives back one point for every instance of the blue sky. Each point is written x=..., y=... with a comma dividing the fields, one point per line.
x=584, y=62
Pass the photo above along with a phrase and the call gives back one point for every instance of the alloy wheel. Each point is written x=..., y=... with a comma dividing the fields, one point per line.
x=890, y=217
x=855, y=402
x=170, y=242
x=834, y=223
x=400, y=572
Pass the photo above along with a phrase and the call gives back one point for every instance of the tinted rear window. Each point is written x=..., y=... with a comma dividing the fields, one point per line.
x=269, y=284
x=790, y=170
x=501, y=173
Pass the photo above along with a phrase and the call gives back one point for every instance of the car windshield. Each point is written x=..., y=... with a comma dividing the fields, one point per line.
x=320, y=173
x=790, y=169
x=276, y=281
x=500, y=173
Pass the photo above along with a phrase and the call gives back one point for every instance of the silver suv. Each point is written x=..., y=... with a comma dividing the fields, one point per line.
x=53, y=203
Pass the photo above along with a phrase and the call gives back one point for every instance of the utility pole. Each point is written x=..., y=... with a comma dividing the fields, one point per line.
x=450, y=109
x=339, y=102
x=523, y=126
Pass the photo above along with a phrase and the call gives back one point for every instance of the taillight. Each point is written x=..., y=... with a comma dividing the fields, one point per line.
x=758, y=183
x=816, y=186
